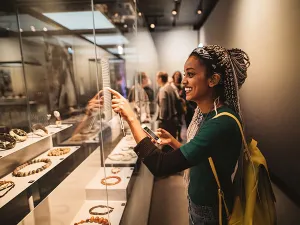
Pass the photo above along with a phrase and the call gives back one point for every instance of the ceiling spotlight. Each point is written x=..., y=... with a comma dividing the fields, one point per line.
x=125, y=25
x=140, y=14
x=152, y=25
x=45, y=29
x=32, y=28
x=174, y=12
x=21, y=30
x=199, y=11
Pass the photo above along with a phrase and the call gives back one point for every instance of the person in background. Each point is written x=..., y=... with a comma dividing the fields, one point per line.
x=139, y=100
x=167, y=96
x=146, y=85
x=213, y=76
x=119, y=86
x=180, y=104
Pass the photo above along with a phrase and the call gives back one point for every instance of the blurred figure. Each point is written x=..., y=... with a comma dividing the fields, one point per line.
x=167, y=97
x=119, y=86
x=139, y=100
x=180, y=104
x=146, y=85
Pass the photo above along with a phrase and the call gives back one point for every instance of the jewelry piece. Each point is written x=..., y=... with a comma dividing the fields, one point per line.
x=17, y=172
x=59, y=151
x=7, y=141
x=6, y=185
x=103, y=181
x=101, y=213
x=18, y=134
x=115, y=170
x=39, y=130
x=128, y=148
x=99, y=220
x=128, y=138
x=119, y=157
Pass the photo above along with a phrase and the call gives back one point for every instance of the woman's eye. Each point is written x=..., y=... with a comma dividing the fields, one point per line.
x=190, y=75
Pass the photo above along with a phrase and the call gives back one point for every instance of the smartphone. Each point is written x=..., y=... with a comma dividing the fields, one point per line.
x=151, y=133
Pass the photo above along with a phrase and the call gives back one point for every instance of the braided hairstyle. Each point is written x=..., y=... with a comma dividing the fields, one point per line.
x=231, y=65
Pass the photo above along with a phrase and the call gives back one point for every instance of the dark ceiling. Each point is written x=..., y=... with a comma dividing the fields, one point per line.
x=159, y=12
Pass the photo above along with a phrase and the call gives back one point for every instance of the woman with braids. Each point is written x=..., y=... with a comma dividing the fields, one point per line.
x=213, y=76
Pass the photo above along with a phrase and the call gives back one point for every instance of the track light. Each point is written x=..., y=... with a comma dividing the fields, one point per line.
x=152, y=25
x=174, y=12
x=199, y=11
x=140, y=14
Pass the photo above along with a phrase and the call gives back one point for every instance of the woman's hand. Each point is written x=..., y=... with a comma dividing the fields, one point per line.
x=95, y=103
x=121, y=105
x=167, y=139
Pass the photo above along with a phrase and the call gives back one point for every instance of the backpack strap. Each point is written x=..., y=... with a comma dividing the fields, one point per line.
x=213, y=168
x=220, y=192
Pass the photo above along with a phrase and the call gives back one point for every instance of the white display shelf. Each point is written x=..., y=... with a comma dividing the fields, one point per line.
x=114, y=217
x=118, y=192
x=125, y=142
x=22, y=183
x=33, y=138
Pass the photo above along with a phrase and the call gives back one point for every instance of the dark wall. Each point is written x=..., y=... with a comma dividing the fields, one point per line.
x=269, y=32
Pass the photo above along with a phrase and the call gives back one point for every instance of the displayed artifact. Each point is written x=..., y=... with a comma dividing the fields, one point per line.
x=79, y=137
x=18, y=134
x=121, y=156
x=127, y=148
x=105, y=182
x=115, y=170
x=109, y=210
x=58, y=119
x=129, y=138
x=39, y=130
x=7, y=141
x=59, y=151
x=17, y=172
x=99, y=220
x=6, y=186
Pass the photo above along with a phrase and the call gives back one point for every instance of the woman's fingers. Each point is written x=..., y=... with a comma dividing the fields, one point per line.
x=98, y=95
x=115, y=93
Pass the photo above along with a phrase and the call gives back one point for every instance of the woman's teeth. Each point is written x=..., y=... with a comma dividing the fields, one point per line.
x=187, y=90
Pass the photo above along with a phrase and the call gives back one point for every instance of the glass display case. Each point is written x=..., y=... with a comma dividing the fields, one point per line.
x=60, y=162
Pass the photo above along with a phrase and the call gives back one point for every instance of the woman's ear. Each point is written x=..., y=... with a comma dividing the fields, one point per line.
x=214, y=80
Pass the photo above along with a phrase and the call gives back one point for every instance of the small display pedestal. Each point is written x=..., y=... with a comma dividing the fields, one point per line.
x=118, y=192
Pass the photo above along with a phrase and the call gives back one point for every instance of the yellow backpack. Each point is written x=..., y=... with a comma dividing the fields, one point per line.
x=255, y=203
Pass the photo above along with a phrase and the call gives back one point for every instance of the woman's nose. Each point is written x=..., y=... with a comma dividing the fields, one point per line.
x=184, y=80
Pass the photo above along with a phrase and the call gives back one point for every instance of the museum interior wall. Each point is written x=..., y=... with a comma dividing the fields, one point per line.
x=174, y=47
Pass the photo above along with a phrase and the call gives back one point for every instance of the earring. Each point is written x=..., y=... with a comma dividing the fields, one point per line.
x=216, y=103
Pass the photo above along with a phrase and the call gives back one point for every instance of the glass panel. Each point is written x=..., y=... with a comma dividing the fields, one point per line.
x=77, y=160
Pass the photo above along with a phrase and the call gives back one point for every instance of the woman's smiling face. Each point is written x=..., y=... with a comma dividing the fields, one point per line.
x=195, y=82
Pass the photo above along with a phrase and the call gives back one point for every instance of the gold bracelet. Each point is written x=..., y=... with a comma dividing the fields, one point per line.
x=109, y=210
x=59, y=151
x=17, y=172
x=99, y=220
x=103, y=181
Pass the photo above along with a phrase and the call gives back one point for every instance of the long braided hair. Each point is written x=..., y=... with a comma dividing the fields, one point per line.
x=231, y=65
